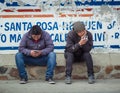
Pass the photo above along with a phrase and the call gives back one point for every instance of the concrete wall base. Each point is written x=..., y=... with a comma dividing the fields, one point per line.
x=79, y=72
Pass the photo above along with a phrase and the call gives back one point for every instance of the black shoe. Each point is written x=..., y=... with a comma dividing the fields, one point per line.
x=68, y=80
x=91, y=79
x=50, y=80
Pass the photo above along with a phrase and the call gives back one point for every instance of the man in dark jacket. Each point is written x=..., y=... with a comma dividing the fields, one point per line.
x=78, y=45
x=36, y=48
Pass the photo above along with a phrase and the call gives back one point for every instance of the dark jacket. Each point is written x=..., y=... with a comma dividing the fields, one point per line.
x=45, y=44
x=73, y=46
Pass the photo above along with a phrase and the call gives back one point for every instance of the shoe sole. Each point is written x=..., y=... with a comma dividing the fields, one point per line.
x=91, y=82
x=68, y=82
x=23, y=82
x=51, y=83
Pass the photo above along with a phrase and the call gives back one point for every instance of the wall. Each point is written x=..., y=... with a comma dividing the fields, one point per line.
x=101, y=18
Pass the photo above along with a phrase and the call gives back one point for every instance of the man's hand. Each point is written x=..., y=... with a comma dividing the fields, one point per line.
x=35, y=53
x=83, y=40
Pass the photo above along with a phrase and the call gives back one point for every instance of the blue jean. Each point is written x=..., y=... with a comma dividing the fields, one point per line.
x=48, y=60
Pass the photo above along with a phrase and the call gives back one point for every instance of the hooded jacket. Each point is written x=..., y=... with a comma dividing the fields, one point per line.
x=44, y=44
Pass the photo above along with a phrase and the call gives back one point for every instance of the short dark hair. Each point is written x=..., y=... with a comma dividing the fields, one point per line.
x=36, y=30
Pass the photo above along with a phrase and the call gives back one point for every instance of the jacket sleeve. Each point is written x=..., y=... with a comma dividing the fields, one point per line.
x=71, y=46
x=88, y=46
x=49, y=45
x=23, y=46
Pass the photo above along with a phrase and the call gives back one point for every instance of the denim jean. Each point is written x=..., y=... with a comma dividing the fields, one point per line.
x=48, y=60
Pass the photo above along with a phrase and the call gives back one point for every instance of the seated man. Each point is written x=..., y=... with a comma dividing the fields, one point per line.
x=36, y=48
x=79, y=43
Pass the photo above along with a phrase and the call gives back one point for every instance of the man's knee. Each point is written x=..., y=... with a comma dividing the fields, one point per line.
x=69, y=58
x=69, y=55
x=52, y=54
x=86, y=54
x=18, y=55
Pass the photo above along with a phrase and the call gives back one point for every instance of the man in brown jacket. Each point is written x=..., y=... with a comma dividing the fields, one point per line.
x=78, y=45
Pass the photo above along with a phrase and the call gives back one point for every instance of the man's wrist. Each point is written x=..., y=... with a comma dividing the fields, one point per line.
x=80, y=45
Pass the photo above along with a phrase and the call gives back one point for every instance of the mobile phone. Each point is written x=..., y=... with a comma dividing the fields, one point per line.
x=36, y=51
x=85, y=37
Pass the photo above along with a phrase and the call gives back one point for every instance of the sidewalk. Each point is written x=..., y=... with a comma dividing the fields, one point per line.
x=78, y=86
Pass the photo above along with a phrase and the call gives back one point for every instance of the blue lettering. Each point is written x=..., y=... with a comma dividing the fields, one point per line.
x=44, y=26
x=71, y=25
x=29, y=26
x=48, y=26
x=61, y=40
x=110, y=26
x=55, y=26
x=94, y=25
x=117, y=35
x=56, y=38
x=39, y=24
x=67, y=26
x=15, y=38
x=6, y=26
x=26, y=25
x=52, y=37
x=18, y=26
x=12, y=27
x=3, y=38
x=12, y=37
x=66, y=37
x=63, y=23
x=19, y=37
x=99, y=37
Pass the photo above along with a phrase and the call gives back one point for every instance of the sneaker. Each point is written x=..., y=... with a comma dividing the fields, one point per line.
x=23, y=81
x=51, y=81
x=91, y=79
x=68, y=80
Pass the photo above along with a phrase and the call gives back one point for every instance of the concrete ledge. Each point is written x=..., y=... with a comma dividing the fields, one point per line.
x=102, y=59
x=9, y=60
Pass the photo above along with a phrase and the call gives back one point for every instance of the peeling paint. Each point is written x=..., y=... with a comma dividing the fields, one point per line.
x=91, y=12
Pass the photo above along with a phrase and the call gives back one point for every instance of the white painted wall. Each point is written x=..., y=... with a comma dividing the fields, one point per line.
x=102, y=19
